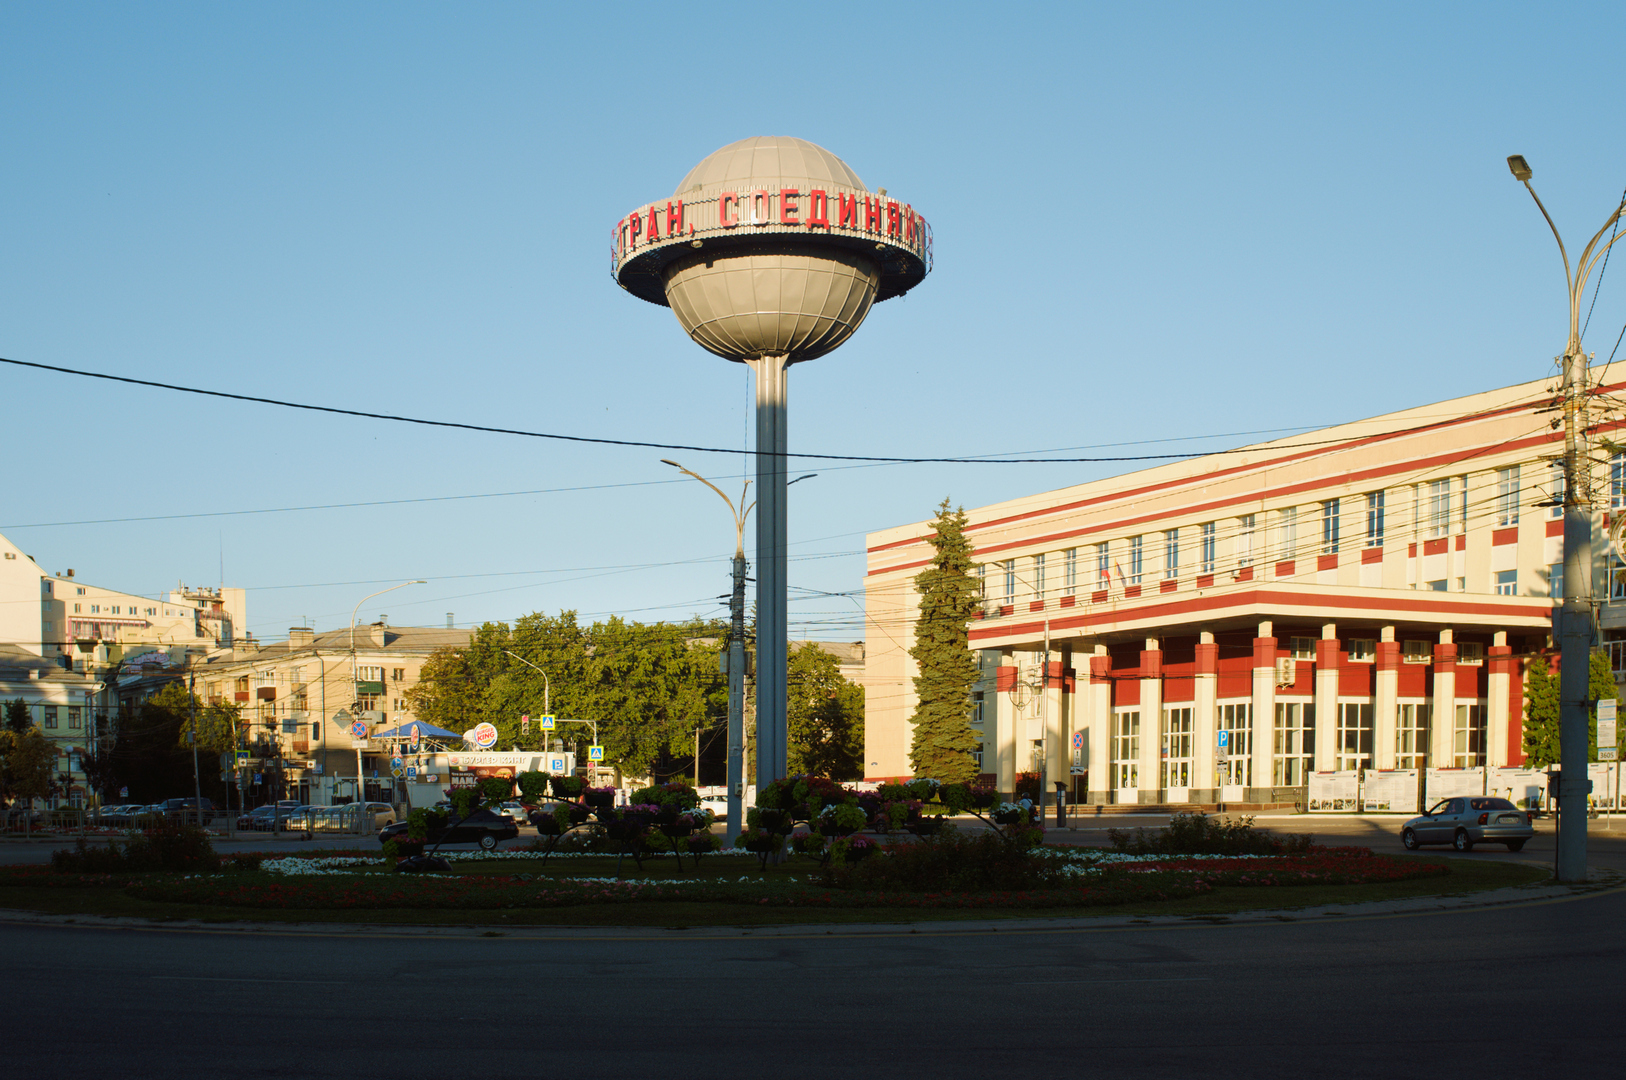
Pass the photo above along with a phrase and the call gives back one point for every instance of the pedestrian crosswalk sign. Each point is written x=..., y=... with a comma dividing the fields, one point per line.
x=595, y=753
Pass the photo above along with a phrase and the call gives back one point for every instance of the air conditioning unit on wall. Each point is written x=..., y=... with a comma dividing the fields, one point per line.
x=1287, y=671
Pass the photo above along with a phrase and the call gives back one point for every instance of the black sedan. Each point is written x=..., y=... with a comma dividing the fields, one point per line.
x=483, y=827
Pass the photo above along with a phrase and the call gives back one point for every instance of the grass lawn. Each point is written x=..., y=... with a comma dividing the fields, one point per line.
x=1466, y=876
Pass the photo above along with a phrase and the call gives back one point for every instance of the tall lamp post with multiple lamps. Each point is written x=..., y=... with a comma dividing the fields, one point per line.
x=355, y=694
x=736, y=653
x=1576, y=625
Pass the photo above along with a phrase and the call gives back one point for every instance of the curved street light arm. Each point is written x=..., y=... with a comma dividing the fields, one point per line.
x=1589, y=258
x=739, y=516
x=1569, y=278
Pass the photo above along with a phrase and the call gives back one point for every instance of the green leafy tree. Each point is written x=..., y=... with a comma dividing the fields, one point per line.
x=1541, y=704
x=825, y=717
x=18, y=718
x=28, y=764
x=943, y=739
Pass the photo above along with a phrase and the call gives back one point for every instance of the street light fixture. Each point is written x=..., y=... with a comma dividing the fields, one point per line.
x=1575, y=626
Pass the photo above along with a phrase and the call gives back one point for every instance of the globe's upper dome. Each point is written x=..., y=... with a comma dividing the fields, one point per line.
x=769, y=161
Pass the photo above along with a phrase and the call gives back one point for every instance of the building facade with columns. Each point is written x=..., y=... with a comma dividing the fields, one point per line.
x=1359, y=597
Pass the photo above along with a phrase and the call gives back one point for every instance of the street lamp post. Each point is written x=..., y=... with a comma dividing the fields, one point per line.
x=355, y=692
x=736, y=660
x=1575, y=626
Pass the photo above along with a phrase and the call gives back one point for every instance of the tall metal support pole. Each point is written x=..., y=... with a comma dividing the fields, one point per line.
x=771, y=567
x=1575, y=629
x=736, y=701
x=1575, y=633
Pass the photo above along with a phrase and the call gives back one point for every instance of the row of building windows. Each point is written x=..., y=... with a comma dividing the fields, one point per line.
x=1439, y=509
x=1293, y=752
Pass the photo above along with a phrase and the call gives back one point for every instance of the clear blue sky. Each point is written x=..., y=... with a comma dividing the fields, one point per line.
x=1152, y=222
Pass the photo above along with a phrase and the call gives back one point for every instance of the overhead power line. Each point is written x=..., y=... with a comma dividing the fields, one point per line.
x=601, y=441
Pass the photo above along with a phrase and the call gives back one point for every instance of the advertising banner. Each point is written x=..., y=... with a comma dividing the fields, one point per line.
x=1391, y=791
x=1602, y=774
x=1334, y=791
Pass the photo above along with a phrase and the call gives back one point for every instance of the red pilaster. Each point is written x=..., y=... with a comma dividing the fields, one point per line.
x=1207, y=659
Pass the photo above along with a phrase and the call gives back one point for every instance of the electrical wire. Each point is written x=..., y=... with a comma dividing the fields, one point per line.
x=962, y=460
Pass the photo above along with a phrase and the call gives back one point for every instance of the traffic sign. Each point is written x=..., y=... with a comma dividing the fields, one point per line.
x=396, y=762
x=256, y=778
x=547, y=722
x=124, y=793
x=1078, y=740
x=398, y=773
x=1225, y=738
x=242, y=758
x=412, y=772
x=359, y=730
x=595, y=753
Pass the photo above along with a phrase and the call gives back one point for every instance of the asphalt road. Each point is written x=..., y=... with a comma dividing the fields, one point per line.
x=1492, y=991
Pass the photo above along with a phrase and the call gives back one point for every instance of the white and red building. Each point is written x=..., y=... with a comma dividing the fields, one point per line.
x=1357, y=598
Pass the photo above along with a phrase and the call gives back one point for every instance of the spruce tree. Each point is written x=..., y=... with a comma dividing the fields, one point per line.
x=943, y=738
x=1541, y=725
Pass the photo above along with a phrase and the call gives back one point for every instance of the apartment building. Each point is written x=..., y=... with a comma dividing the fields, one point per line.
x=1362, y=597
x=301, y=696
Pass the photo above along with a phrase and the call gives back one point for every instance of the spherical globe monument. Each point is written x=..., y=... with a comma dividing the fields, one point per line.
x=771, y=251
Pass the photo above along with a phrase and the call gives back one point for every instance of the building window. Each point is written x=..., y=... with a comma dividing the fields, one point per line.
x=398, y=674
x=316, y=729
x=1354, y=735
x=1468, y=737
x=1103, y=567
x=1010, y=581
x=1362, y=650
x=399, y=705
x=1471, y=653
x=1176, y=747
x=982, y=581
x=76, y=609
x=1236, y=720
x=79, y=592
x=74, y=722
x=1294, y=757
x=1507, y=583
x=1617, y=481
x=1411, y=735
x=1507, y=495
x=1374, y=519
x=95, y=609
x=1038, y=577
x=1301, y=648
x=1462, y=504
x=1436, y=586
x=1416, y=652
x=1171, y=553
x=1135, y=546
x=370, y=673
x=1555, y=581
x=1439, y=508
x=1244, y=540
x=1070, y=570
x=49, y=713
x=1126, y=749
x=1287, y=528
x=1329, y=527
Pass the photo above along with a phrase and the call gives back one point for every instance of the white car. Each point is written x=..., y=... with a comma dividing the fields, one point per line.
x=718, y=805
x=515, y=811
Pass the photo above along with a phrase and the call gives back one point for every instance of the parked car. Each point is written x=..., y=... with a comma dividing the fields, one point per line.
x=1467, y=820
x=191, y=809
x=483, y=827
x=383, y=814
x=718, y=805
x=515, y=810
x=257, y=819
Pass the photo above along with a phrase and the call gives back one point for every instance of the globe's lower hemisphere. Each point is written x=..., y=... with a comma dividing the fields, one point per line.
x=801, y=304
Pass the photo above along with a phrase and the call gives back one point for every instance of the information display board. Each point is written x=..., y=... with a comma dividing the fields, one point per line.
x=1449, y=783
x=1392, y=791
x=1334, y=791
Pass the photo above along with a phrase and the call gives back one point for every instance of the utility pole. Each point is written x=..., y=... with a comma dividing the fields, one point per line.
x=736, y=701
x=1575, y=629
x=197, y=783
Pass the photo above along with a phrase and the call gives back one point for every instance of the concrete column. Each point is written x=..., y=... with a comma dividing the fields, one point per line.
x=1100, y=740
x=1151, y=722
x=1204, y=721
x=1058, y=755
x=1264, y=713
x=1441, y=753
x=1497, y=687
x=1006, y=725
x=1326, y=699
x=1385, y=700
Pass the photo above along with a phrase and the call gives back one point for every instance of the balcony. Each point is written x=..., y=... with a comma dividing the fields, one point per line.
x=364, y=687
x=266, y=693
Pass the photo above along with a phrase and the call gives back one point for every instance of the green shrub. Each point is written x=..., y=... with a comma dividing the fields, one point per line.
x=1200, y=834
x=949, y=860
x=166, y=846
x=496, y=788
x=248, y=860
x=421, y=820
x=465, y=801
x=533, y=786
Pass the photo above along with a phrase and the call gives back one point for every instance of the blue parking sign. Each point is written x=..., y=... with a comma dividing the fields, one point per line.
x=1225, y=738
